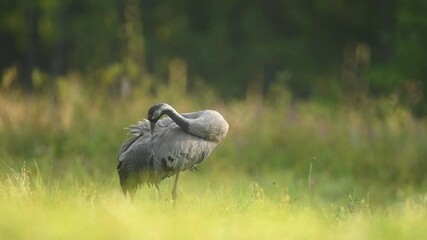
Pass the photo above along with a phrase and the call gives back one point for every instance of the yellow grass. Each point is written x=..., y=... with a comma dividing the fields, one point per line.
x=221, y=211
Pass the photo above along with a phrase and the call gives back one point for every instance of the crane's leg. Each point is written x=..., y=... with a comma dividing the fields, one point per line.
x=174, y=195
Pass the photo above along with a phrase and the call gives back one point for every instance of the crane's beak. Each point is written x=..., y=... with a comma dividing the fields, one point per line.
x=153, y=125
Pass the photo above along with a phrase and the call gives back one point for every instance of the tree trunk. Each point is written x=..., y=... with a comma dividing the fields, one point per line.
x=31, y=53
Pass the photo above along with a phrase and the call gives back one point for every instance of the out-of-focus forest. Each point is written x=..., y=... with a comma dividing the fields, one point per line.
x=331, y=51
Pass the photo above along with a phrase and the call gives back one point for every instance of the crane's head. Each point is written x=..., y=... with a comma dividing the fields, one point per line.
x=155, y=112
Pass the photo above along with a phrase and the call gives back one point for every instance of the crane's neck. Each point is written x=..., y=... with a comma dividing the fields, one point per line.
x=194, y=126
x=181, y=121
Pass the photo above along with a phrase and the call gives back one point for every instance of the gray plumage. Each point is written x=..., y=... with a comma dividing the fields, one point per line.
x=163, y=147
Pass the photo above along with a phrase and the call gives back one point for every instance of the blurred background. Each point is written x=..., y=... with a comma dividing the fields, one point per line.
x=340, y=80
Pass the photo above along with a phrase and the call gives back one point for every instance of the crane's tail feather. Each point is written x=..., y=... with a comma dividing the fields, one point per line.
x=138, y=128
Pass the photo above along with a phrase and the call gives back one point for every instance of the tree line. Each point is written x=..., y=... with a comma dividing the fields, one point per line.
x=329, y=50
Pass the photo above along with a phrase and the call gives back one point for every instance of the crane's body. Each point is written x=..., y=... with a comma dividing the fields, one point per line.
x=160, y=148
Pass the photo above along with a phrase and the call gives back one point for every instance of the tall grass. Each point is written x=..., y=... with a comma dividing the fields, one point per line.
x=75, y=132
x=232, y=210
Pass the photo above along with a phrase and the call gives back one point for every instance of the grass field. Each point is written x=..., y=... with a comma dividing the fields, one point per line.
x=58, y=179
x=209, y=207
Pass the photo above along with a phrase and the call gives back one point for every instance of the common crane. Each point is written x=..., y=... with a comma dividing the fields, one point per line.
x=163, y=147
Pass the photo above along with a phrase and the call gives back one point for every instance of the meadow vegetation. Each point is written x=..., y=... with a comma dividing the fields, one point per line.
x=287, y=169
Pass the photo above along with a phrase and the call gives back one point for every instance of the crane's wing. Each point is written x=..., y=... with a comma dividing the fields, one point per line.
x=136, y=165
x=136, y=158
x=176, y=150
x=137, y=131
